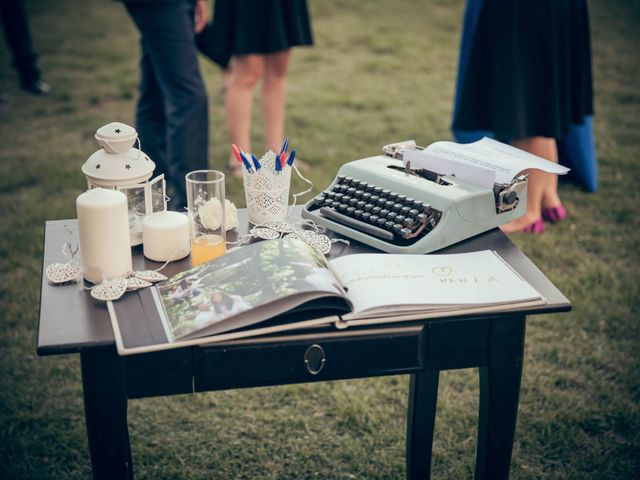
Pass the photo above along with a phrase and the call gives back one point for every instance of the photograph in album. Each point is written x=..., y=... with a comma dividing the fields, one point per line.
x=206, y=299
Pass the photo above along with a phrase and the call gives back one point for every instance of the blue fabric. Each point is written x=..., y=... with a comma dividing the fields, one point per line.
x=576, y=150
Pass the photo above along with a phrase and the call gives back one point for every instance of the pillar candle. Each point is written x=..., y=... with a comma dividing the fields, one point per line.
x=103, y=226
x=165, y=236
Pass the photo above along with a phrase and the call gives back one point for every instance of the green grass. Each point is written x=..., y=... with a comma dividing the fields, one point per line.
x=381, y=71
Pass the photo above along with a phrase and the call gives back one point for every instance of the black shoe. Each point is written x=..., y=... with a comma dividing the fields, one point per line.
x=37, y=87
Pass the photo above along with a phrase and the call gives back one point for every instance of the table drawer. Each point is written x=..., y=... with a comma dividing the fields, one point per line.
x=308, y=360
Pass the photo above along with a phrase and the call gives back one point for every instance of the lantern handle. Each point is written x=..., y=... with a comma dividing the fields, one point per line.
x=126, y=153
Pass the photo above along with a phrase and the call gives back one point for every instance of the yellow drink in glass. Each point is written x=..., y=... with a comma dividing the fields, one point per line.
x=205, y=248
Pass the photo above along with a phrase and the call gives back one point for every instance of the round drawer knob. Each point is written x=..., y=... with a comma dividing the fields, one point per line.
x=314, y=359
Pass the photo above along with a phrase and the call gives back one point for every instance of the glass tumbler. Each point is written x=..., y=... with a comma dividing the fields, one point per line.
x=205, y=203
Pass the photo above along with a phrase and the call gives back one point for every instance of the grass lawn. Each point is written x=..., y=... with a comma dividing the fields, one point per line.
x=380, y=71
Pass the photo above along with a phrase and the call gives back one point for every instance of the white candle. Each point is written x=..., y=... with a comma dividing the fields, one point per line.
x=165, y=236
x=103, y=226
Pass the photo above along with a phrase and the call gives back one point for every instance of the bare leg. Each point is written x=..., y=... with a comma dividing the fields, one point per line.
x=274, y=97
x=543, y=187
x=244, y=73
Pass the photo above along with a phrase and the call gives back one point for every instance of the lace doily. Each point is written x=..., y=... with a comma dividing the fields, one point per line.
x=108, y=290
x=305, y=230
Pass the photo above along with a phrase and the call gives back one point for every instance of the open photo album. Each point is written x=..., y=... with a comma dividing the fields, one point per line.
x=280, y=285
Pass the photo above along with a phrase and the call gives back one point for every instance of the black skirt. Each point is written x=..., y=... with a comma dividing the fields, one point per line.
x=529, y=71
x=242, y=27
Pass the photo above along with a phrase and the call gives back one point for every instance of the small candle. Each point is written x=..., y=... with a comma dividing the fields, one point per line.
x=103, y=227
x=165, y=236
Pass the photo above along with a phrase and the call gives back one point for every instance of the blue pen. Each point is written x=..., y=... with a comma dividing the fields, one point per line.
x=278, y=164
x=285, y=145
x=246, y=162
x=292, y=157
x=256, y=163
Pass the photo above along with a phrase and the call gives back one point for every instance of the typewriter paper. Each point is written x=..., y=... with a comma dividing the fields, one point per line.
x=506, y=161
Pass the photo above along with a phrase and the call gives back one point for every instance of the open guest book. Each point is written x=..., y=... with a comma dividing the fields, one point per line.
x=281, y=285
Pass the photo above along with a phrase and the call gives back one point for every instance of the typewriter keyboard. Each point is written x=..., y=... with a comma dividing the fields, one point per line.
x=376, y=211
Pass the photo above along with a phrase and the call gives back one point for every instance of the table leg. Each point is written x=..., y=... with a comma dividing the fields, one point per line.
x=423, y=396
x=105, y=410
x=499, y=395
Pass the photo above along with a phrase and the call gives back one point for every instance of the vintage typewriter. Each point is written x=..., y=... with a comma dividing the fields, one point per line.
x=390, y=206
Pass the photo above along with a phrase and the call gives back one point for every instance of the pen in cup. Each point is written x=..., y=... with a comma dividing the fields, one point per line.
x=285, y=145
x=236, y=152
x=278, y=163
x=256, y=163
x=246, y=162
x=292, y=157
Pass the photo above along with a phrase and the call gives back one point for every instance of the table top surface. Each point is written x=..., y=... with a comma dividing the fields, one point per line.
x=70, y=320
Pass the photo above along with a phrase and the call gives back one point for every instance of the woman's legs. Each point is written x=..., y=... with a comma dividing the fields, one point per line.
x=244, y=73
x=542, y=188
x=274, y=97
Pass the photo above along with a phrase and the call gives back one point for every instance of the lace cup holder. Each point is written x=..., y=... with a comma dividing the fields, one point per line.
x=267, y=191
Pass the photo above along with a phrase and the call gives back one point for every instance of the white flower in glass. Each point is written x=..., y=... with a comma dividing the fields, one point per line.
x=230, y=215
x=210, y=214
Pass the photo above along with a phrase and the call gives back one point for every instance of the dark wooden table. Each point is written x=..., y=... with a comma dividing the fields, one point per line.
x=72, y=322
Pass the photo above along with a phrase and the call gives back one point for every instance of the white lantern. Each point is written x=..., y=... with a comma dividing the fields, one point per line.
x=118, y=165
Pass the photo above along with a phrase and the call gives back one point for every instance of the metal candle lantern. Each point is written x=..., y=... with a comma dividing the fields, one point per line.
x=121, y=166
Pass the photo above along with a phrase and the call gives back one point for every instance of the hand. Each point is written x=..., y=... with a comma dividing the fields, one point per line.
x=200, y=15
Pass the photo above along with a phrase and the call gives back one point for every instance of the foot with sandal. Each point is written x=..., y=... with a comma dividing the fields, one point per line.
x=543, y=201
